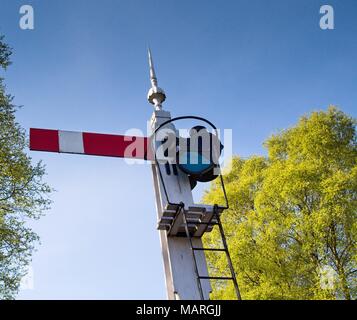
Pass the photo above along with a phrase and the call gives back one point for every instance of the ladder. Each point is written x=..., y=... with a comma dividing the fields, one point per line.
x=216, y=217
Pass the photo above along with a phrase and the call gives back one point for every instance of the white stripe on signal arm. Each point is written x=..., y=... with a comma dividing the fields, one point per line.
x=70, y=142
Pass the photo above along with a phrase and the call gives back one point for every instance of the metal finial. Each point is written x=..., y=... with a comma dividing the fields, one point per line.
x=156, y=95
x=153, y=78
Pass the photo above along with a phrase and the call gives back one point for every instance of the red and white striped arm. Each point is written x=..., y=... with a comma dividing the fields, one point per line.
x=95, y=144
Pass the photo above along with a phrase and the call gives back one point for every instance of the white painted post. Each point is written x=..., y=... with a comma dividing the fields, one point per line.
x=180, y=275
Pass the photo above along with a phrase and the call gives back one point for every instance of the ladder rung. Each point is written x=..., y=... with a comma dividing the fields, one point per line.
x=216, y=278
x=209, y=249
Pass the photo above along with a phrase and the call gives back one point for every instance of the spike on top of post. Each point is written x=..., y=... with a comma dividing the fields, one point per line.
x=156, y=95
x=153, y=78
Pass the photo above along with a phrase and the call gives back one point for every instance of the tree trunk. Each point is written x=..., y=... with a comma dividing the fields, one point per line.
x=345, y=288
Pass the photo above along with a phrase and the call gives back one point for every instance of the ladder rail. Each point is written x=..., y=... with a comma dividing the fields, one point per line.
x=230, y=264
x=225, y=249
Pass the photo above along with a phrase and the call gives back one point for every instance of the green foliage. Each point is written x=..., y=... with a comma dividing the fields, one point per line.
x=5, y=53
x=22, y=193
x=292, y=214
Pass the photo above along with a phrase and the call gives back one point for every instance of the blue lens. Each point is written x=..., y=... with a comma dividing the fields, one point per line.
x=193, y=162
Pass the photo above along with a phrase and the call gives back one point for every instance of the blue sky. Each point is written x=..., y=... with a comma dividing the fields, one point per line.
x=252, y=66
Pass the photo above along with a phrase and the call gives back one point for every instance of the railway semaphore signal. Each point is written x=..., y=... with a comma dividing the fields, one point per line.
x=178, y=163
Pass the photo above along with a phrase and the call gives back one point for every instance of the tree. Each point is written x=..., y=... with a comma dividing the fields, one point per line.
x=291, y=225
x=23, y=195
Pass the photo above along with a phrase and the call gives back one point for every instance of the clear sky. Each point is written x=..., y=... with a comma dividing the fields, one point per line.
x=252, y=66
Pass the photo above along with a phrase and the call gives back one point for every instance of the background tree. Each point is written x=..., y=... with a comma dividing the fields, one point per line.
x=292, y=222
x=23, y=195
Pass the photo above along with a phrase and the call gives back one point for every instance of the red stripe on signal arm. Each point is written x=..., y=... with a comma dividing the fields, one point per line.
x=149, y=155
x=44, y=140
x=115, y=145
